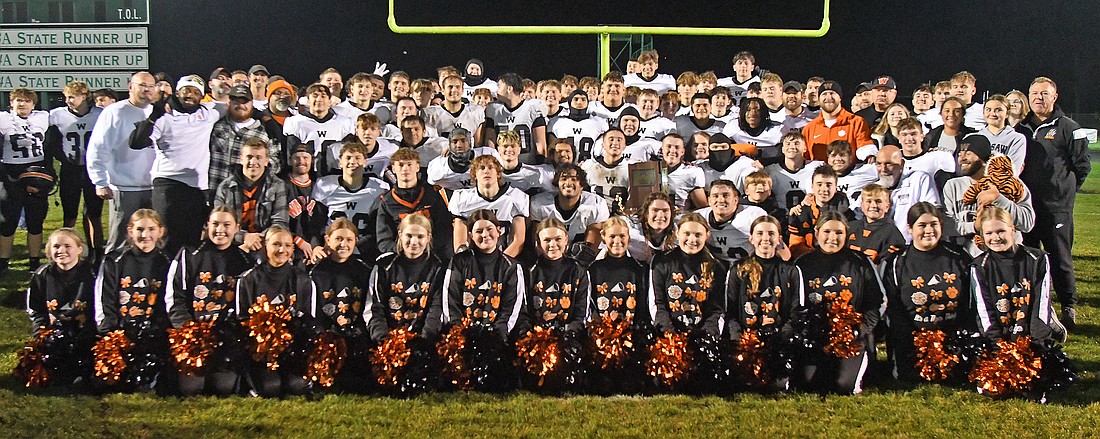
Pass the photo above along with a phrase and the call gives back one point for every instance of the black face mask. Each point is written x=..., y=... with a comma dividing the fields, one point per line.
x=474, y=80
x=578, y=115
x=720, y=159
x=632, y=138
x=461, y=162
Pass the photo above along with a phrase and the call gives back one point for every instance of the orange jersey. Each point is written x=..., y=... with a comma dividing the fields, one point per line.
x=848, y=127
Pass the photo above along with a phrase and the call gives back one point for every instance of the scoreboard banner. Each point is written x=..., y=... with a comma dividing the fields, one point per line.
x=55, y=81
x=59, y=37
x=38, y=60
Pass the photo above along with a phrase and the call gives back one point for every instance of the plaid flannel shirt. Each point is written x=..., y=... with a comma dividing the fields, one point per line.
x=225, y=149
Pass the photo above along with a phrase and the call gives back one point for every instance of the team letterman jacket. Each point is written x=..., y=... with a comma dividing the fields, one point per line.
x=487, y=288
x=615, y=284
x=54, y=295
x=130, y=289
x=1011, y=291
x=687, y=292
x=847, y=276
x=406, y=293
x=203, y=283
x=780, y=288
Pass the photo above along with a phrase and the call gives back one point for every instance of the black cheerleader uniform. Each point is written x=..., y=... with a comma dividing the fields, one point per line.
x=343, y=294
x=687, y=292
x=925, y=291
x=1011, y=291
x=289, y=286
x=202, y=287
x=845, y=277
x=488, y=289
x=618, y=294
x=61, y=302
x=767, y=310
x=557, y=292
x=130, y=296
x=406, y=293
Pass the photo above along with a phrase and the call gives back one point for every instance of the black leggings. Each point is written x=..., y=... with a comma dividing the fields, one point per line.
x=183, y=209
x=74, y=183
x=275, y=383
x=18, y=201
x=824, y=373
x=214, y=383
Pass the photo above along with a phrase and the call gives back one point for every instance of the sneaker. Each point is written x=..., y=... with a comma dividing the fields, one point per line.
x=1069, y=317
x=1057, y=329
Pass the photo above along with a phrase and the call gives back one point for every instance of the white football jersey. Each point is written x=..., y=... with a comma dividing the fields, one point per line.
x=682, y=180
x=531, y=179
x=440, y=172
x=392, y=132
x=736, y=171
x=75, y=131
x=931, y=162
x=737, y=89
x=383, y=110
x=659, y=83
x=468, y=91
x=378, y=162
x=656, y=127
x=591, y=209
x=356, y=205
x=794, y=124
x=508, y=204
x=584, y=134
x=686, y=126
x=730, y=240
x=610, y=114
x=852, y=183
x=333, y=128
x=789, y=187
x=913, y=188
x=522, y=119
x=612, y=182
x=469, y=116
x=644, y=149
x=766, y=142
x=23, y=138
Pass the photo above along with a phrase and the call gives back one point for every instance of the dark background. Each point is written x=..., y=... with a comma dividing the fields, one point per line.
x=1005, y=44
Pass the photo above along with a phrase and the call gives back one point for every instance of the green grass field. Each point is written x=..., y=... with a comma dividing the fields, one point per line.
x=924, y=411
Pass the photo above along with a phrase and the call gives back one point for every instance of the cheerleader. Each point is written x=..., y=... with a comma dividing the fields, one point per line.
x=842, y=303
x=927, y=296
x=687, y=297
x=343, y=282
x=279, y=283
x=130, y=296
x=762, y=292
x=652, y=230
x=484, y=292
x=556, y=301
x=407, y=286
x=202, y=283
x=59, y=302
x=614, y=299
x=1010, y=284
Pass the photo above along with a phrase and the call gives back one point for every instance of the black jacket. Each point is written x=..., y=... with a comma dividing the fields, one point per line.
x=343, y=294
x=1012, y=294
x=406, y=292
x=877, y=240
x=615, y=284
x=54, y=295
x=425, y=200
x=288, y=285
x=771, y=304
x=131, y=288
x=837, y=275
x=688, y=292
x=487, y=288
x=1057, y=162
x=557, y=293
x=203, y=283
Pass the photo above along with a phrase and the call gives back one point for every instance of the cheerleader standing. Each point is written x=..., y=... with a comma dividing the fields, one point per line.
x=202, y=286
x=762, y=291
x=130, y=295
x=838, y=282
x=280, y=283
x=927, y=289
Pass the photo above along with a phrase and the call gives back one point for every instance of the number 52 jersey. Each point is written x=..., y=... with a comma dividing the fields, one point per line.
x=23, y=138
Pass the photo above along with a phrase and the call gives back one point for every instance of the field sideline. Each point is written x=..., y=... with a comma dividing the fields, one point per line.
x=924, y=411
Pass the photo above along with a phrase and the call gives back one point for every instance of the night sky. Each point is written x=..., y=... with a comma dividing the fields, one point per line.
x=1004, y=46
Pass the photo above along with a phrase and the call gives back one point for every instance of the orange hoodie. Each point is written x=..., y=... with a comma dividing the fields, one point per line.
x=847, y=126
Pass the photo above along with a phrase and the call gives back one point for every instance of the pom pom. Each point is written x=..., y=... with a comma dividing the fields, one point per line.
x=843, y=322
x=611, y=342
x=1058, y=372
x=191, y=346
x=268, y=329
x=669, y=358
x=750, y=360
x=934, y=361
x=709, y=369
x=452, y=347
x=391, y=357
x=489, y=359
x=538, y=353
x=146, y=361
x=325, y=359
x=31, y=368
x=1012, y=369
x=110, y=356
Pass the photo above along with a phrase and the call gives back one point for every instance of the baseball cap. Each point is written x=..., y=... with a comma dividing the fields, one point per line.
x=240, y=91
x=458, y=131
x=830, y=85
x=797, y=86
x=306, y=147
x=862, y=87
x=190, y=81
x=977, y=144
x=258, y=68
x=220, y=71
x=885, y=81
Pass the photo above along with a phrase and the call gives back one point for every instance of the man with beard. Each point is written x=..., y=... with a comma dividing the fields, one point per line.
x=1057, y=164
x=121, y=175
x=475, y=78
x=647, y=77
x=974, y=154
x=685, y=180
x=580, y=126
x=513, y=113
x=319, y=125
x=723, y=163
x=231, y=133
x=220, y=80
x=906, y=189
x=699, y=119
x=581, y=211
x=281, y=104
x=744, y=68
x=729, y=221
x=452, y=171
x=946, y=137
x=361, y=100
x=836, y=123
x=256, y=195
x=651, y=124
x=796, y=114
x=453, y=113
x=181, y=132
x=883, y=93
x=611, y=103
